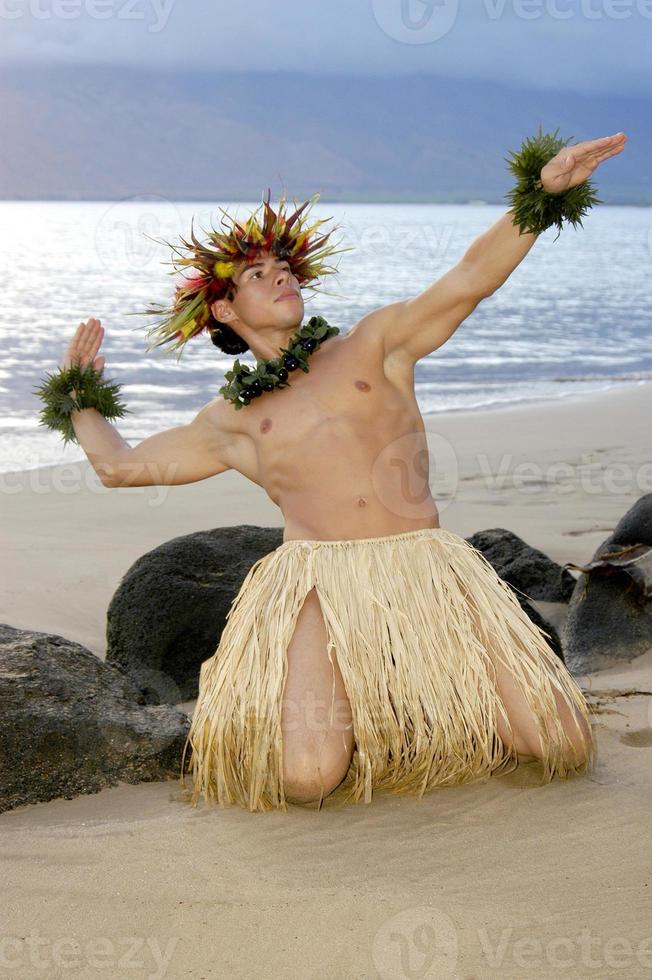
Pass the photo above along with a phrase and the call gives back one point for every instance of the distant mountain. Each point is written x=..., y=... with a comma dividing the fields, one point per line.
x=110, y=133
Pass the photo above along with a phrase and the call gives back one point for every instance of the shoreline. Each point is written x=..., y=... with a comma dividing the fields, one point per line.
x=558, y=474
x=567, y=396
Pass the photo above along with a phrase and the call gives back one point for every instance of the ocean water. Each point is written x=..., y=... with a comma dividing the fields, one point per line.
x=573, y=317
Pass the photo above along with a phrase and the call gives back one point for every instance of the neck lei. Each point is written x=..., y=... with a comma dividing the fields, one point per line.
x=244, y=383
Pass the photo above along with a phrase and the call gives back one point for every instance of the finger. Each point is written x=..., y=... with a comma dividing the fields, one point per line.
x=599, y=146
x=76, y=344
x=74, y=340
x=90, y=337
x=604, y=141
x=610, y=153
x=83, y=345
x=607, y=152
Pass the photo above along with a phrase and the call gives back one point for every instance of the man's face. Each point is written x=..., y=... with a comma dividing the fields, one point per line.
x=267, y=293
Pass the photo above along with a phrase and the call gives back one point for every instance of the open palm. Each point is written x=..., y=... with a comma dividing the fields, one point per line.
x=583, y=158
x=84, y=346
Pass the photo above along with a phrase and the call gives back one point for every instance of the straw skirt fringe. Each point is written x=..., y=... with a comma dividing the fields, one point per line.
x=412, y=618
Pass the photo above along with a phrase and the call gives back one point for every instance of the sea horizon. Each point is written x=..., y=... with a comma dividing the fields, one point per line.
x=571, y=319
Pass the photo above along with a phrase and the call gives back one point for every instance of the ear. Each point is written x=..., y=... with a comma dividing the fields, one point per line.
x=222, y=311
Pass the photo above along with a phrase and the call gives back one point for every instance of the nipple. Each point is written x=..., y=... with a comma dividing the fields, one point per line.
x=266, y=425
x=363, y=385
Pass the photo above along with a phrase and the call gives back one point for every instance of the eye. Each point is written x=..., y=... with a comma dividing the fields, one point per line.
x=258, y=271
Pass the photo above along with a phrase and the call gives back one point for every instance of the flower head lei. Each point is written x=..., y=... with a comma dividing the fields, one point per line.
x=211, y=265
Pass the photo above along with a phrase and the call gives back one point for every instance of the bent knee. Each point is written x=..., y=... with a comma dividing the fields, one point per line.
x=578, y=740
x=310, y=783
x=581, y=740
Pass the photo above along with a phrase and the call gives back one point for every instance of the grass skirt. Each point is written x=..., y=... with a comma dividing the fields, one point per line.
x=411, y=617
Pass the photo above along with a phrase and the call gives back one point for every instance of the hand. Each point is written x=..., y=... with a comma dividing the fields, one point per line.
x=84, y=346
x=558, y=175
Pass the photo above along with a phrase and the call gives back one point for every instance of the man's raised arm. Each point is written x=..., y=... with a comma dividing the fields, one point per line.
x=415, y=327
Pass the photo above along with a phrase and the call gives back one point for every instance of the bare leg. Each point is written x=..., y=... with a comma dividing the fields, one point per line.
x=316, y=721
x=524, y=734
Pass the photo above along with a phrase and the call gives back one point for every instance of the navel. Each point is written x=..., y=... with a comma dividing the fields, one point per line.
x=362, y=385
x=362, y=501
x=266, y=425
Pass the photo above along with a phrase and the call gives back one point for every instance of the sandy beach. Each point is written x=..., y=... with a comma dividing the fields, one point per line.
x=501, y=879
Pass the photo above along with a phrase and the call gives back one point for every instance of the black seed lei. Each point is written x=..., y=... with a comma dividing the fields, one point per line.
x=245, y=383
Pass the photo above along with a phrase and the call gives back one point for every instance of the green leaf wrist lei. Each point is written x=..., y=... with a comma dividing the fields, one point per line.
x=244, y=383
x=72, y=389
x=535, y=209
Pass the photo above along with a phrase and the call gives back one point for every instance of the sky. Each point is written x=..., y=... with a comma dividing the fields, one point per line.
x=588, y=46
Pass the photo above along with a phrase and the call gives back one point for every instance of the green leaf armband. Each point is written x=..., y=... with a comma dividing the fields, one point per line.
x=534, y=208
x=72, y=389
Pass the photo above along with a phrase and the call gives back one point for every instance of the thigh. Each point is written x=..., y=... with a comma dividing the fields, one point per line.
x=316, y=717
x=517, y=724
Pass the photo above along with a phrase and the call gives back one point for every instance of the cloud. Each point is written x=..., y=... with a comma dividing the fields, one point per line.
x=589, y=46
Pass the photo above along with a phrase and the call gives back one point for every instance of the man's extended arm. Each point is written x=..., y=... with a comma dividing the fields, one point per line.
x=494, y=255
x=411, y=329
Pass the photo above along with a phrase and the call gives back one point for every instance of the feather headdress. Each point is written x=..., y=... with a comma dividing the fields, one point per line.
x=288, y=236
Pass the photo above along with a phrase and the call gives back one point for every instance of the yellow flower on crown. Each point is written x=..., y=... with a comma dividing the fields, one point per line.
x=223, y=270
x=208, y=267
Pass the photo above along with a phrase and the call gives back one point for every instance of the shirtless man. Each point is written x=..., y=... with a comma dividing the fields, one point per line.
x=319, y=448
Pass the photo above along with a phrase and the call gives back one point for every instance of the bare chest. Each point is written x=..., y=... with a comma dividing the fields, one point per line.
x=338, y=414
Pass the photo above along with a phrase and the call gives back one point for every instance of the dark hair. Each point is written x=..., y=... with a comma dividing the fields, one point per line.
x=223, y=336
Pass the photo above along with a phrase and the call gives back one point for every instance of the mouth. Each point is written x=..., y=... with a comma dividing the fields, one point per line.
x=291, y=295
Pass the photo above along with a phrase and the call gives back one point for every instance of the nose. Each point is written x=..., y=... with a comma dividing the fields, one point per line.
x=283, y=275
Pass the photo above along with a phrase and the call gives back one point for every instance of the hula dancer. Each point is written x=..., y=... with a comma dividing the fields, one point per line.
x=373, y=650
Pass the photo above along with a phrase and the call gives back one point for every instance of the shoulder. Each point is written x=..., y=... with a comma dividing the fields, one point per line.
x=217, y=416
x=371, y=337
x=373, y=324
